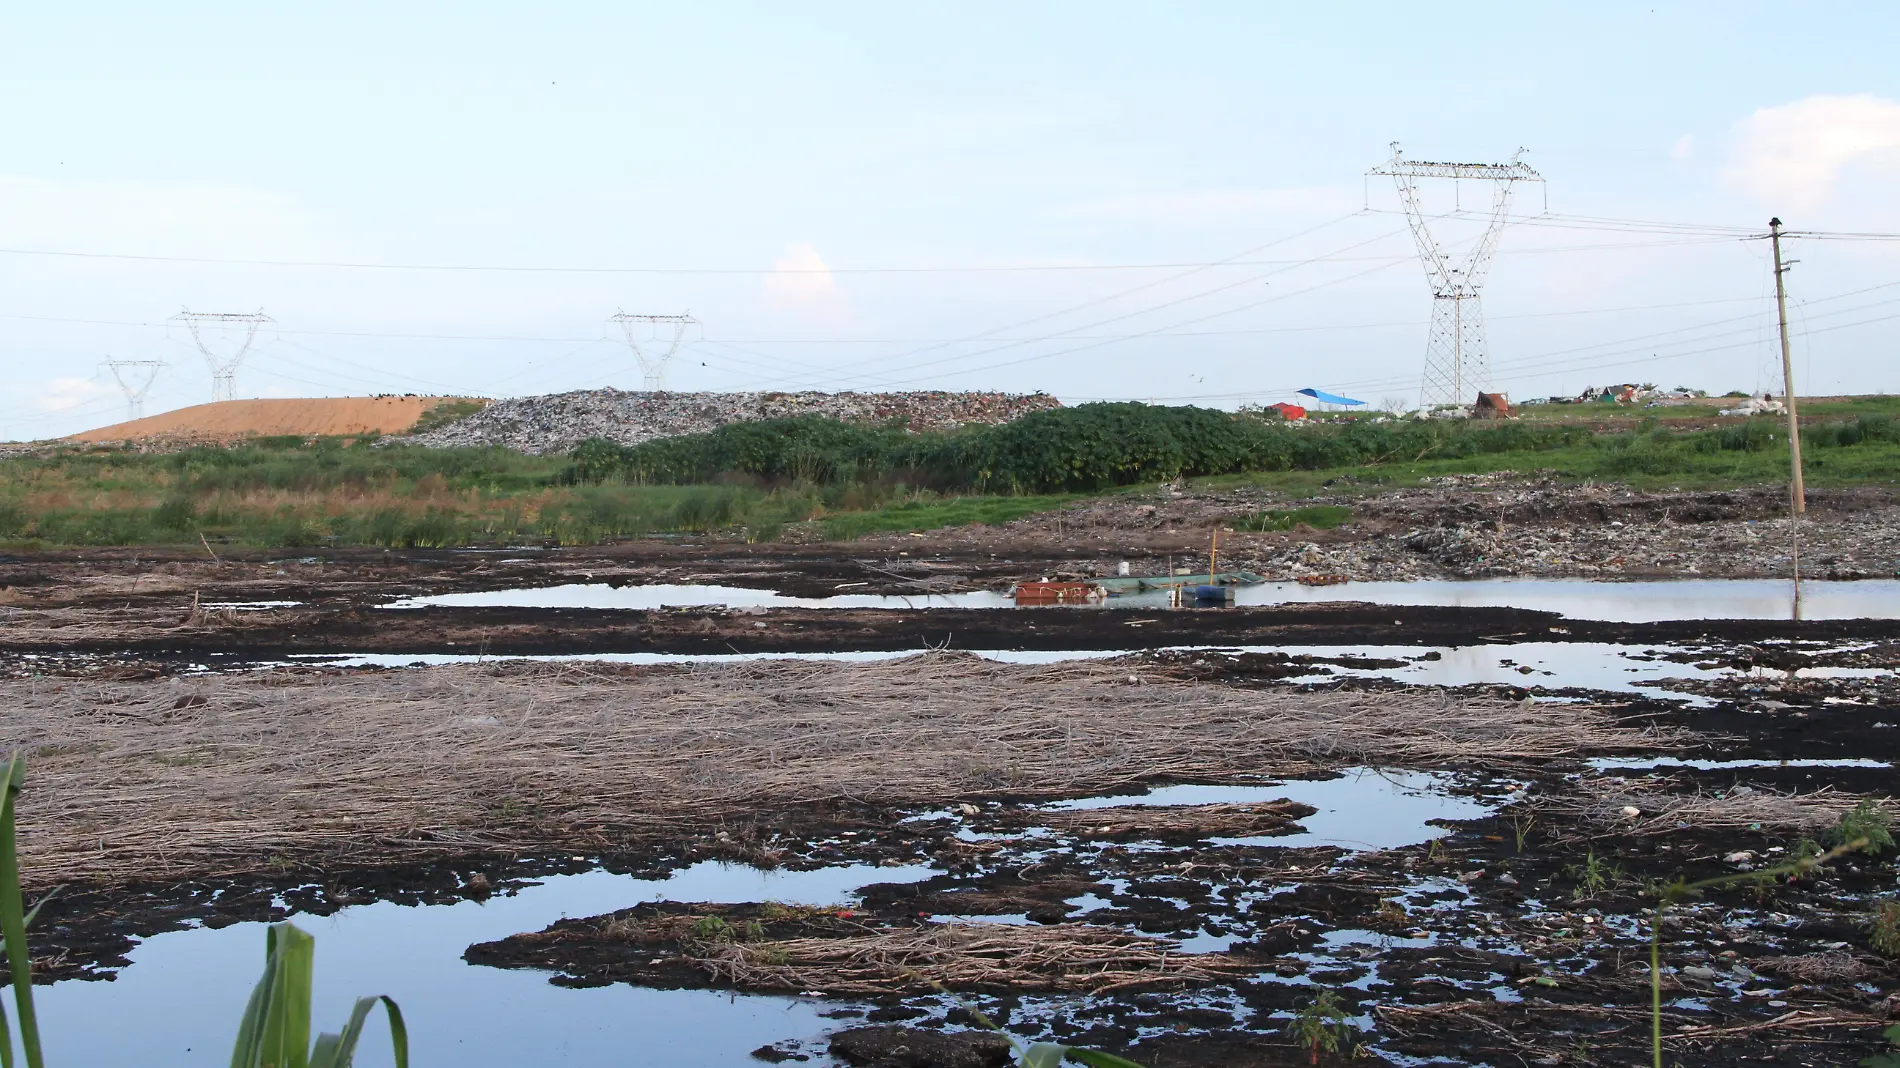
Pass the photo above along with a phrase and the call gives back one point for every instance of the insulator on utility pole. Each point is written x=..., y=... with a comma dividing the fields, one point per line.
x=1797, y=492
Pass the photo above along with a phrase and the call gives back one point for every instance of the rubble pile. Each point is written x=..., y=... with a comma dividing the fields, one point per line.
x=1469, y=526
x=558, y=422
x=1495, y=526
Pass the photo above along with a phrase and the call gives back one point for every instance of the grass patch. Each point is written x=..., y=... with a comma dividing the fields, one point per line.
x=1644, y=465
x=934, y=514
x=1317, y=516
x=445, y=412
x=755, y=482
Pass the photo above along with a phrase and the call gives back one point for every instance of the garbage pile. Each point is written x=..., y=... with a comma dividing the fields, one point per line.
x=1765, y=404
x=558, y=422
x=1646, y=394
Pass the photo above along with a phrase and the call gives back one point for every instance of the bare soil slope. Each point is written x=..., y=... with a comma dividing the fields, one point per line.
x=226, y=420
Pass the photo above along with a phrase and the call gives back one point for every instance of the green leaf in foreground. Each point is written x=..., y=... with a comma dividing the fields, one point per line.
x=13, y=921
x=1050, y=1055
x=275, y=1030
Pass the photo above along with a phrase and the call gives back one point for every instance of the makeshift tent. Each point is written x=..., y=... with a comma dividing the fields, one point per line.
x=1328, y=398
x=1288, y=411
x=1492, y=406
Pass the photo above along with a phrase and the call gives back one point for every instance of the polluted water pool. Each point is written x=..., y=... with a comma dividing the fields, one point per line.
x=1613, y=602
x=179, y=1001
x=1544, y=665
x=601, y=595
x=183, y=990
x=1616, y=602
x=1362, y=809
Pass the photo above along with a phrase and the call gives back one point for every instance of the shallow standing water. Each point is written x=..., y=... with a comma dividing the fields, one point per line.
x=1618, y=602
x=184, y=990
x=179, y=1002
x=1615, y=602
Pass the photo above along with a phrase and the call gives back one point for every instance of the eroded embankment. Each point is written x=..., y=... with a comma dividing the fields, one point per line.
x=223, y=774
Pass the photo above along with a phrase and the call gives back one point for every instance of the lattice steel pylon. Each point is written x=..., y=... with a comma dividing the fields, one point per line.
x=235, y=333
x=1457, y=362
x=646, y=350
x=135, y=377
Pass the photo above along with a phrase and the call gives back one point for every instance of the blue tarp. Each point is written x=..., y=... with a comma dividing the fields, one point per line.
x=1328, y=397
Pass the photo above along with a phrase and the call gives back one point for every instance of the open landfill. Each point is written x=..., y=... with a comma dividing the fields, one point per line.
x=558, y=422
x=234, y=420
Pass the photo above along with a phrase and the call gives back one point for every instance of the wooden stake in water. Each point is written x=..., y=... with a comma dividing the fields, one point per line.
x=1213, y=554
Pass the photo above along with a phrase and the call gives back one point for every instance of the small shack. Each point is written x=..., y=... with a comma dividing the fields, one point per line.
x=1492, y=406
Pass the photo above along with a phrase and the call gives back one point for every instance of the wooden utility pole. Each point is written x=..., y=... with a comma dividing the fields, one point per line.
x=1797, y=494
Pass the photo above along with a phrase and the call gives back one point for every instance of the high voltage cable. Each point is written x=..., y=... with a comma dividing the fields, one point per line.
x=1595, y=361
x=1102, y=300
x=923, y=269
x=1113, y=319
x=519, y=339
x=1693, y=234
x=1214, y=315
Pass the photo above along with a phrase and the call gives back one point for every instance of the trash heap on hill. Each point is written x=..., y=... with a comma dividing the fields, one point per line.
x=558, y=422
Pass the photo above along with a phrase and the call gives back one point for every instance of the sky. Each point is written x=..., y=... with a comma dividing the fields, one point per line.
x=1093, y=200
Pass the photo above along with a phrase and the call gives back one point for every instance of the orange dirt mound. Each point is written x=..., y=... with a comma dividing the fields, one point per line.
x=318, y=416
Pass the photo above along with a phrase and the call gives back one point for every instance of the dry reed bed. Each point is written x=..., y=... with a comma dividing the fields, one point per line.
x=1606, y=801
x=1071, y=957
x=224, y=774
x=1237, y=820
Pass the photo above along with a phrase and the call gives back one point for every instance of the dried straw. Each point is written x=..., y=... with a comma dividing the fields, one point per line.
x=230, y=773
x=963, y=956
x=1228, y=820
x=1603, y=800
x=1830, y=967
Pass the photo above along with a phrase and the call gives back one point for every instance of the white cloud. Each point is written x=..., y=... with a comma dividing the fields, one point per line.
x=63, y=394
x=805, y=285
x=1793, y=154
x=1216, y=207
x=1684, y=149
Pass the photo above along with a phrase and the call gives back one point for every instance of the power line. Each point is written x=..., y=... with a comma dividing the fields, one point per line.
x=1599, y=361
x=1201, y=294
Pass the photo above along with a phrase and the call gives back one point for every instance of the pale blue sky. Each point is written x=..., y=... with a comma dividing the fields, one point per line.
x=739, y=137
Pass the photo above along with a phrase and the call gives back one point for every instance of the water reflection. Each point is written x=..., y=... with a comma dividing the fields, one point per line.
x=178, y=1004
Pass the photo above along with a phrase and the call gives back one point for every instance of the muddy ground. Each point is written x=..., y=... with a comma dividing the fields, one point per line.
x=1461, y=527
x=1517, y=937
x=171, y=604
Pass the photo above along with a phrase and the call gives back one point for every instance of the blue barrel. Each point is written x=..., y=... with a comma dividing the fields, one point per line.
x=1213, y=593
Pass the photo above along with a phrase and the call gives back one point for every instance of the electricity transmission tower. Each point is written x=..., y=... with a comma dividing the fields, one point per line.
x=1456, y=359
x=646, y=336
x=225, y=338
x=135, y=377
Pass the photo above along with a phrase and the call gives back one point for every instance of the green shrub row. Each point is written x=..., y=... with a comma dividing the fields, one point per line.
x=1095, y=446
x=1066, y=450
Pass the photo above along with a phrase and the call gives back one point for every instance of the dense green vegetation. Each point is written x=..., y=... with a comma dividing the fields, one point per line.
x=756, y=480
x=1098, y=446
x=1083, y=449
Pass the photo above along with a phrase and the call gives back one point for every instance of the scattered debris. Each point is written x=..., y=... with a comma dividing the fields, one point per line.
x=557, y=422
